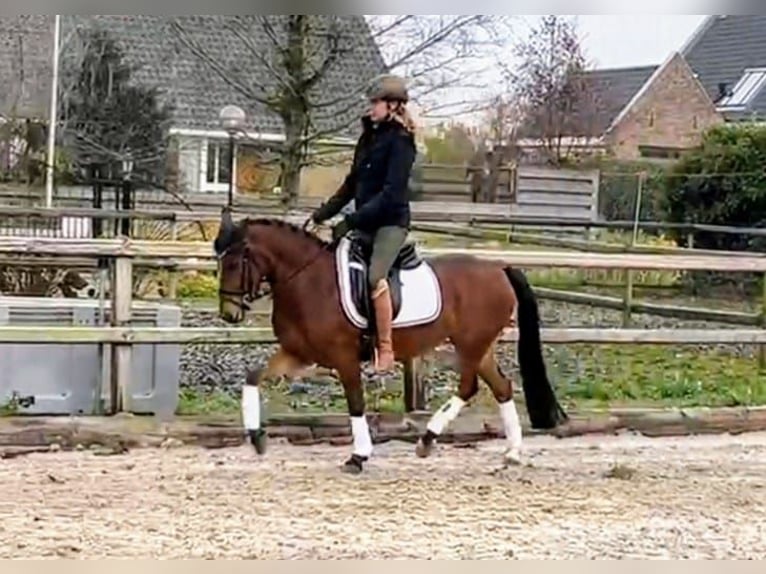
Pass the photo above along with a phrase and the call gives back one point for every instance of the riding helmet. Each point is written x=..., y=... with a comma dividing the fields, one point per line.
x=389, y=88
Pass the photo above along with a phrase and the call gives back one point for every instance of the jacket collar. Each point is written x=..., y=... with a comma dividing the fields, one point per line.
x=368, y=126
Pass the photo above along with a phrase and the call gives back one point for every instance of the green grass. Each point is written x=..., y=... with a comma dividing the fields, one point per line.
x=585, y=376
x=214, y=403
x=276, y=396
x=656, y=374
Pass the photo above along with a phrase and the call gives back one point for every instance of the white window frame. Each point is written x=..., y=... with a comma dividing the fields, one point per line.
x=753, y=79
x=216, y=186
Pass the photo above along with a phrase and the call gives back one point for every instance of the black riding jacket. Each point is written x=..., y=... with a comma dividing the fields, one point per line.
x=378, y=179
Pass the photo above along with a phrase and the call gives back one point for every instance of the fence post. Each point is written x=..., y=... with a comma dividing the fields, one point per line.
x=414, y=390
x=97, y=229
x=762, y=350
x=627, y=302
x=126, y=223
x=173, y=279
x=122, y=295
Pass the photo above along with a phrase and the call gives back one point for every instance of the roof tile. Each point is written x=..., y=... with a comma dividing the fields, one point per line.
x=605, y=93
x=724, y=47
x=164, y=61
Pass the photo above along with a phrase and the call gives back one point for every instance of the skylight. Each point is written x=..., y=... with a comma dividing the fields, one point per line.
x=745, y=90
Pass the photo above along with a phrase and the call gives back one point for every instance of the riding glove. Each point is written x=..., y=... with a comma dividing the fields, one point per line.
x=340, y=229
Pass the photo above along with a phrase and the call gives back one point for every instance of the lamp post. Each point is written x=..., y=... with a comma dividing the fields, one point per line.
x=51, y=159
x=233, y=121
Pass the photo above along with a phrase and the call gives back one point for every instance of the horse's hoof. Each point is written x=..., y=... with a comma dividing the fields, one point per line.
x=512, y=457
x=258, y=440
x=423, y=450
x=354, y=465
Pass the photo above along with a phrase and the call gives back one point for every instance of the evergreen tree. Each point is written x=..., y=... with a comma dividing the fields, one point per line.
x=107, y=119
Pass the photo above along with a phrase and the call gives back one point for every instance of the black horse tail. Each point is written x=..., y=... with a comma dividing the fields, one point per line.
x=543, y=407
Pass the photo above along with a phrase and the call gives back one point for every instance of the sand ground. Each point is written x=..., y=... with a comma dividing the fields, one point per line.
x=588, y=497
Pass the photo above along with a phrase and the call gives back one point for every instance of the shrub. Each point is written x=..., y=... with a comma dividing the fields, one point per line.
x=721, y=183
x=197, y=286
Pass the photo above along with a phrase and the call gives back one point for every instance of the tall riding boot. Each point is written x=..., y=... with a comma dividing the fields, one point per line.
x=381, y=299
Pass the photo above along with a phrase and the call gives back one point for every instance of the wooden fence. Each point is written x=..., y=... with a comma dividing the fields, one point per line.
x=124, y=254
x=627, y=304
x=524, y=192
x=23, y=208
x=43, y=218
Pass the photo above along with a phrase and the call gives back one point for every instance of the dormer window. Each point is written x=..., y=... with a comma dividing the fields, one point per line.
x=745, y=91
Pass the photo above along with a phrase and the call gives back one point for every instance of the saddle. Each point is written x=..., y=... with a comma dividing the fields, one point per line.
x=359, y=255
x=415, y=289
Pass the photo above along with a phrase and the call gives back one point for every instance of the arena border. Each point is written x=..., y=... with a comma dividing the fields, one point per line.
x=114, y=435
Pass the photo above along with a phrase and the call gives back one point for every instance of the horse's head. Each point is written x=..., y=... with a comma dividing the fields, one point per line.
x=239, y=276
x=256, y=251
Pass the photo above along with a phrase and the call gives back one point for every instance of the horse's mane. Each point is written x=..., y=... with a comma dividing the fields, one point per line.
x=280, y=223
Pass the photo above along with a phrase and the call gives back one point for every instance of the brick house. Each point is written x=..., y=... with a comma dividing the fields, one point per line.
x=640, y=112
x=160, y=59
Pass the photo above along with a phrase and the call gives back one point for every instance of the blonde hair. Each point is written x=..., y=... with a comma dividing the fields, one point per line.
x=401, y=114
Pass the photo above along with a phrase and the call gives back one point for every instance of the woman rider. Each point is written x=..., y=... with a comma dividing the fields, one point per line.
x=378, y=182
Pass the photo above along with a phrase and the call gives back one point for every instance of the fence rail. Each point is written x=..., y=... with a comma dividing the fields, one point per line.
x=424, y=212
x=135, y=248
x=263, y=335
x=125, y=253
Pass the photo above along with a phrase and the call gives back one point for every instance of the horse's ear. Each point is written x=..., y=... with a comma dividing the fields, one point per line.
x=227, y=222
x=226, y=231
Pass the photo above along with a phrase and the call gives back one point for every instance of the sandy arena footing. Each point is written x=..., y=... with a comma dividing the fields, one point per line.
x=589, y=497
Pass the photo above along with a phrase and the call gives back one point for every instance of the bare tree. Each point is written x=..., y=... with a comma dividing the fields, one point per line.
x=502, y=121
x=500, y=132
x=550, y=84
x=301, y=61
x=448, y=59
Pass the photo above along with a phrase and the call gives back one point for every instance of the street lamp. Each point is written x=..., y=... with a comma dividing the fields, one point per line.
x=233, y=121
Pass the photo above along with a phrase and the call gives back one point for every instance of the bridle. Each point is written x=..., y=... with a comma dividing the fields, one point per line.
x=249, y=287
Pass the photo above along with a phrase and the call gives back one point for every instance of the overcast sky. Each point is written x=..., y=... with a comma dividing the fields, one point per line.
x=609, y=41
x=633, y=39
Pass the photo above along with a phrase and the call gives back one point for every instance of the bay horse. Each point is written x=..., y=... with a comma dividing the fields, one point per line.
x=320, y=311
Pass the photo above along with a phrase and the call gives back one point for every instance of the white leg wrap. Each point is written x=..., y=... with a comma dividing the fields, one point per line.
x=511, y=425
x=251, y=407
x=361, y=433
x=445, y=415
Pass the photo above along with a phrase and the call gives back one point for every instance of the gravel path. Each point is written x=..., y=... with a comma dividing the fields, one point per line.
x=594, y=497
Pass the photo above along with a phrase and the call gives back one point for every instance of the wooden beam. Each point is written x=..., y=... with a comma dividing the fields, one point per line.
x=85, y=212
x=690, y=262
x=205, y=207
x=202, y=250
x=672, y=311
x=90, y=263
x=264, y=335
x=121, y=352
x=414, y=389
